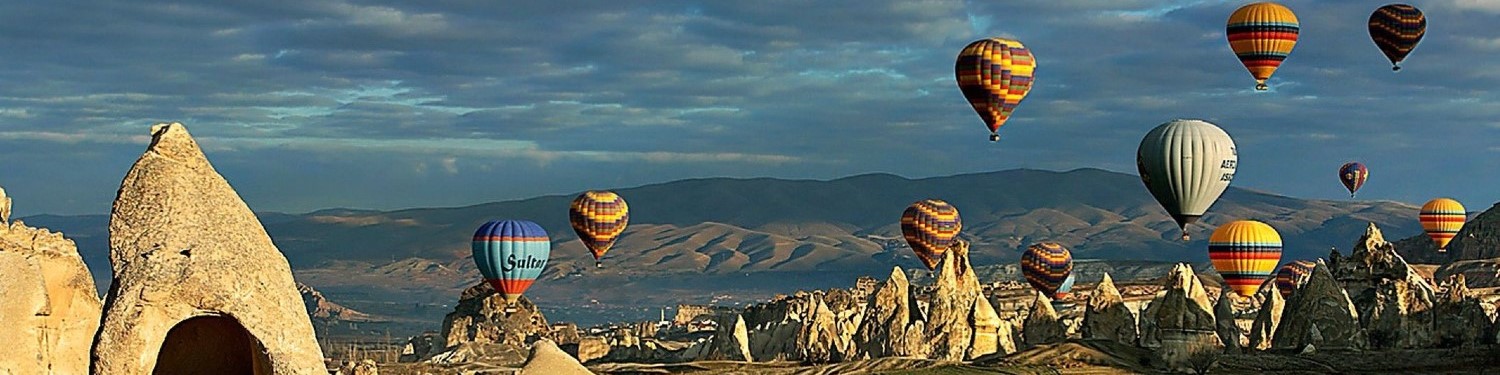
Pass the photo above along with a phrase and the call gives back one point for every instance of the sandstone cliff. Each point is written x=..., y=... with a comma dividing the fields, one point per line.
x=50, y=311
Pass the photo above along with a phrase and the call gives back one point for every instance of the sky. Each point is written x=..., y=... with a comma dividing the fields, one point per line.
x=304, y=105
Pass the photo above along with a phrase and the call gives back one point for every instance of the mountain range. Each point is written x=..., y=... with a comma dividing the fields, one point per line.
x=698, y=239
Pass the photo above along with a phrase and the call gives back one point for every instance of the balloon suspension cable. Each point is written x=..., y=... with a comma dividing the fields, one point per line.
x=1261, y=87
x=994, y=137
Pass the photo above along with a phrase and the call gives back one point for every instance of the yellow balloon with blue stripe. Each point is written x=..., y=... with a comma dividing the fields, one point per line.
x=1245, y=252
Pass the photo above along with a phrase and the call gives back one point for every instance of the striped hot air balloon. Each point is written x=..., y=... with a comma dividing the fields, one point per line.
x=1353, y=175
x=930, y=227
x=1292, y=275
x=995, y=74
x=1442, y=218
x=511, y=254
x=1047, y=266
x=598, y=217
x=1262, y=36
x=1245, y=252
x=1396, y=29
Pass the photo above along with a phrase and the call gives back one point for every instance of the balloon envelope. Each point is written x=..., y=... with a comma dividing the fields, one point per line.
x=1262, y=36
x=1441, y=219
x=1244, y=252
x=995, y=74
x=511, y=254
x=598, y=217
x=1292, y=275
x=1186, y=164
x=1047, y=266
x=1396, y=29
x=1353, y=175
x=930, y=227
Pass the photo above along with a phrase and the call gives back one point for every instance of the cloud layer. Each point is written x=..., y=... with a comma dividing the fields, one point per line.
x=384, y=104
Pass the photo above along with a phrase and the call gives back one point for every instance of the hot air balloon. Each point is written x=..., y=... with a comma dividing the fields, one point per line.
x=1442, y=218
x=598, y=217
x=1066, y=289
x=1186, y=164
x=1262, y=35
x=1353, y=174
x=930, y=227
x=511, y=254
x=1244, y=252
x=1292, y=275
x=994, y=75
x=1047, y=266
x=1396, y=29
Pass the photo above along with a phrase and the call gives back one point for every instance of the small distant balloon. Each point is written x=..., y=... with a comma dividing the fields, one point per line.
x=995, y=74
x=1262, y=36
x=930, y=227
x=1353, y=175
x=1292, y=275
x=1442, y=218
x=598, y=217
x=1047, y=266
x=1396, y=29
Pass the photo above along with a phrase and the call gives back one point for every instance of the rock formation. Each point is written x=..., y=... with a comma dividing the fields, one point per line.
x=731, y=342
x=480, y=317
x=1393, y=301
x=1461, y=319
x=1321, y=314
x=363, y=367
x=991, y=335
x=799, y=328
x=50, y=309
x=1179, y=324
x=547, y=359
x=949, y=331
x=198, y=283
x=1267, y=317
x=320, y=308
x=1225, y=325
x=1107, y=317
x=883, y=332
x=1042, y=324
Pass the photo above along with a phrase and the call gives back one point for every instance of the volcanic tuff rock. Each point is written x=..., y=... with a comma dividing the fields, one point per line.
x=50, y=311
x=948, y=326
x=1042, y=325
x=480, y=317
x=1319, y=313
x=198, y=283
x=1461, y=319
x=547, y=359
x=1179, y=324
x=1107, y=317
x=1230, y=334
x=801, y=328
x=319, y=307
x=1267, y=317
x=731, y=342
x=1394, y=302
x=882, y=332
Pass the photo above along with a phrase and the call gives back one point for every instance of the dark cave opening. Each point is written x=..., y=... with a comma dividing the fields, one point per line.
x=211, y=345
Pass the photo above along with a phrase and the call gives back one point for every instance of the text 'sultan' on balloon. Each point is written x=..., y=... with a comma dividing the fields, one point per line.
x=1186, y=164
x=930, y=227
x=995, y=74
x=1244, y=252
x=598, y=217
x=1396, y=29
x=1442, y=218
x=1262, y=36
x=1353, y=175
x=511, y=254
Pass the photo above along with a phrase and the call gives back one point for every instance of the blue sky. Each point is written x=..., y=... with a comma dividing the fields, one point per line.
x=313, y=104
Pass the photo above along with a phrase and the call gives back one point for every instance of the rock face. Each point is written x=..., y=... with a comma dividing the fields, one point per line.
x=1107, y=316
x=198, y=284
x=1179, y=324
x=989, y=331
x=1230, y=334
x=1267, y=317
x=731, y=342
x=50, y=309
x=1394, y=302
x=480, y=317
x=320, y=308
x=1461, y=321
x=1319, y=314
x=949, y=331
x=1042, y=324
x=799, y=328
x=888, y=312
x=547, y=359
x=364, y=367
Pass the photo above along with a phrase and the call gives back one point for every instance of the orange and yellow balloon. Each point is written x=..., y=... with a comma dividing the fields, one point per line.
x=930, y=227
x=1245, y=252
x=994, y=75
x=1262, y=36
x=1442, y=218
x=598, y=217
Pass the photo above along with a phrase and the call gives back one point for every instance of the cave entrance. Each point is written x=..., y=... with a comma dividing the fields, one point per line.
x=211, y=345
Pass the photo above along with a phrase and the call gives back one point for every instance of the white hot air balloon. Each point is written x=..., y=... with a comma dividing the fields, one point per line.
x=1186, y=164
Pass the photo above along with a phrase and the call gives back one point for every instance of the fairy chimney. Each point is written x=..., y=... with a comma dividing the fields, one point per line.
x=199, y=287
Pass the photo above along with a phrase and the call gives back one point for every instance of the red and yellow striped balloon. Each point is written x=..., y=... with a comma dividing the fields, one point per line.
x=1292, y=275
x=930, y=227
x=1046, y=266
x=1245, y=252
x=995, y=74
x=598, y=217
x=1442, y=218
x=1262, y=36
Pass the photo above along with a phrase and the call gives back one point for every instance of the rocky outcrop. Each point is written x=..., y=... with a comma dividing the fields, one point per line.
x=800, y=328
x=320, y=308
x=991, y=335
x=480, y=318
x=547, y=359
x=1179, y=323
x=50, y=309
x=1319, y=314
x=948, y=327
x=588, y=349
x=1393, y=301
x=1043, y=325
x=1263, y=330
x=1461, y=321
x=882, y=333
x=362, y=367
x=1107, y=317
x=1230, y=335
x=731, y=342
x=198, y=284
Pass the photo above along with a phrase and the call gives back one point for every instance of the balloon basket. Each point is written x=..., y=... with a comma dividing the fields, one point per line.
x=510, y=309
x=994, y=137
x=1262, y=87
x=1395, y=68
x=598, y=265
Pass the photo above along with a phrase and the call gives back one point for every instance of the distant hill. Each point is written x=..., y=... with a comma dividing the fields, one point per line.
x=786, y=234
